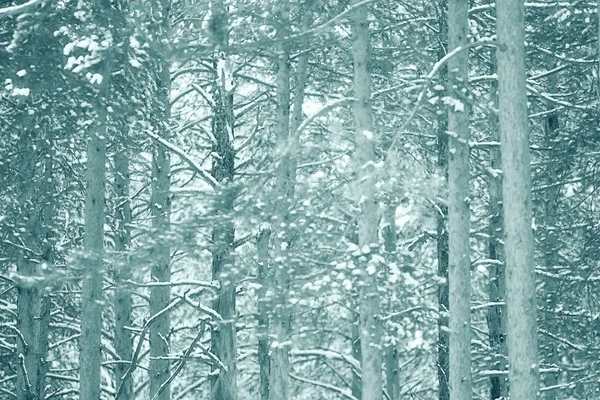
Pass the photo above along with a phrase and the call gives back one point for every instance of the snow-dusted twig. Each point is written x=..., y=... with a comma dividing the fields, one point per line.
x=436, y=68
x=175, y=149
x=346, y=393
x=179, y=367
x=136, y=354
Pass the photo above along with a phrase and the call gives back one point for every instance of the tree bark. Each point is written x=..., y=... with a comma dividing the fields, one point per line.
x=93, y=241
x=364, y=159
x=223, y=336
x=458, y=207
x=280, y=347
x=497, y=276
x=443, y=344
x=516, y=191
x=122, y=339
x=391, y=349
x=160, y=296
x=549, y=239
x=28, y=298
x=264, y=234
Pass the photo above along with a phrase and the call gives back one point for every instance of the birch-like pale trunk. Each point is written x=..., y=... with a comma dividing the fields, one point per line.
x=459, y=279
x=223, y=336
x=122, y=301
x=160, y=296
x=497, y=276
x=443, y=343
x=516, y=193
x=368, y=241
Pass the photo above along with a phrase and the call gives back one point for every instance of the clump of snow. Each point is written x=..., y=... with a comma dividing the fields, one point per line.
x=20, y=92
x=135, y=63
x=134, y=43
x=21, y=73
x=452, y=102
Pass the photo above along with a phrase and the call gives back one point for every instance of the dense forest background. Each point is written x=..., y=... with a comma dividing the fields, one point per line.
x=299, y=199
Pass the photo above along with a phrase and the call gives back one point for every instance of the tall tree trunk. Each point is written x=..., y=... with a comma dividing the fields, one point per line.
x=160, y=296
x=280, y=348
x=364, y=159
x=549, y=238
x=516, y=191
x=93, y=239
x=28, y=297
x=391, y=349
x=497, y=276
x=223, y=336
x=264, y=234
x=47, y=246
x=443, y=344
x=458, y=207
x=122, y=337
x=356, y=380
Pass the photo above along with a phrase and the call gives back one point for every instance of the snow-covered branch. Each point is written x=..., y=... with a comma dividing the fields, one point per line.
x=21, y=8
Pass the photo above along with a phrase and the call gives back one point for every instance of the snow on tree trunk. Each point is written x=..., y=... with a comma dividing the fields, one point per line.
x=223, y=335
x=443, y=343
x=516, y=191
x=364, y=160
x=160, y=296
x=122, y=300
x=458, y=206
x=497, y=276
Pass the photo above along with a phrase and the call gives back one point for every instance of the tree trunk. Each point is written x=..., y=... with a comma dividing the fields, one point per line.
x=443, y=344
x=549, y=240
x=223, y=336
x=391, y=349
x=28, y=297
x=280, y=348
x=516, y=191
x=122, y=338
x=47, y=246
x=497, y=283
x=264, y=234
x=458, y=207
x=93, y=241
x=160, y=296
x=356, y=382
x=364, y=159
